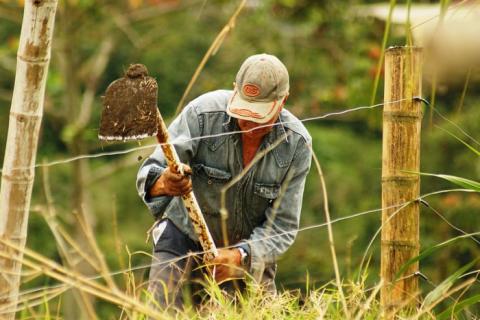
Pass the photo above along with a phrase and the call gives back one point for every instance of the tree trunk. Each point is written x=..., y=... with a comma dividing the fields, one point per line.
x=25, y=119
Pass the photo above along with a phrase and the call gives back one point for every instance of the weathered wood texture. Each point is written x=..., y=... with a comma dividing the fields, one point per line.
x=26, y=111
x=401, y=152
x=189, y=200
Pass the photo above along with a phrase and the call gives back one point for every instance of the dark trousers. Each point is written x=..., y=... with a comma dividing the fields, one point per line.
x=175, y=279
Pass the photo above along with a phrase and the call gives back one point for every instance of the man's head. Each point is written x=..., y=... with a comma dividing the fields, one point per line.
x=261, y=89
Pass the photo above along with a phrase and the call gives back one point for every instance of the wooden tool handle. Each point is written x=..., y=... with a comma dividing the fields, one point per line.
x=189, y=199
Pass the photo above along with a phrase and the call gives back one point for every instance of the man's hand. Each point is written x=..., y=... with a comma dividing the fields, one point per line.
x=228, y=265
x=172, y=184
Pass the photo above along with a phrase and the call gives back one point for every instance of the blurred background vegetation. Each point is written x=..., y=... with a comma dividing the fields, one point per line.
x=332, y=52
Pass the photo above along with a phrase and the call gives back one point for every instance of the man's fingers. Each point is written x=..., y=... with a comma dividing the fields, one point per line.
x=172, y=176
x=177, y=184
x=188, y=187
x=220, y=259
x=223, y=273
x=185, y=183
x=225, y=265
x=220, y=276
x=220, y=272
x=186, y=169
x=181, y=186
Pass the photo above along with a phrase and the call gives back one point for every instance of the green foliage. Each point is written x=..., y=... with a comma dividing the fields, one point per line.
x=332, y=56
x=455, y=308
x=441, y=290
x=433, y=249
x=462, y=182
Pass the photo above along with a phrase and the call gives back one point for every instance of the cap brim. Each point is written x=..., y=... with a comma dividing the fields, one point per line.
x=259, y=112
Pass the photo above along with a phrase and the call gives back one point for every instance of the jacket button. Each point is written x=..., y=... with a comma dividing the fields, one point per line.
x=209, y=181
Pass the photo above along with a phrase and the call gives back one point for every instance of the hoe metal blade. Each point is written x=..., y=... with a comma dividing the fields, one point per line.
x=130, y=107
x=130, y=113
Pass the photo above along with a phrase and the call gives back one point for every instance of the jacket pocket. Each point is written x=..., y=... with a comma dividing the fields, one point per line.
x=263, y=197
x=212, y=174
x=207, y=185
x=266, y=191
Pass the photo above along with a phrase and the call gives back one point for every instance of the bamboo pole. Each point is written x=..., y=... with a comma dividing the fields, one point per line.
x=26, y=111
x=401, y=153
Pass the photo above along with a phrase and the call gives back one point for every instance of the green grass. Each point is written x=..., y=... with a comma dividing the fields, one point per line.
x=255, y=302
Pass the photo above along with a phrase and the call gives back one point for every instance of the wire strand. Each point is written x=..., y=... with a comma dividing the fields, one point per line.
x=455, y=125
x=198, y=253
x=428, y=205
x=178, y=141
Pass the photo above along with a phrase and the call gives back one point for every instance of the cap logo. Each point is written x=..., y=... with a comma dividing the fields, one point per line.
x=251, y=90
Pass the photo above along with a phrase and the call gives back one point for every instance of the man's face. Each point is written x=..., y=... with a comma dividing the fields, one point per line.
x=264, y=128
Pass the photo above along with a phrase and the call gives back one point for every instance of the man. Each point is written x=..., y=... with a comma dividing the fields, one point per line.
x=218, y=135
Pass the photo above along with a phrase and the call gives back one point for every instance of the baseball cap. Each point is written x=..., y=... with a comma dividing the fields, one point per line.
x=260, y=87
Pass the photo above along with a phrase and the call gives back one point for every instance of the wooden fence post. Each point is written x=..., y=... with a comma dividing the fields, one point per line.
x=401, y=153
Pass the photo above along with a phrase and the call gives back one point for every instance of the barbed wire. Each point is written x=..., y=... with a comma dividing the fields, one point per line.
x=199, y=253
x=455, y=125
x=464, y=233
x=434, y=285
x=176, y=259
x=391, y=216
x=230, y=133
x=454, y=227
x=306, y=228
x=428, y=205
x=178, y=140
x=428, y=104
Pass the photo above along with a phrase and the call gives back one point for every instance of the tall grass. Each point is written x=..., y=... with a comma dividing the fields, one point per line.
x=126, y=290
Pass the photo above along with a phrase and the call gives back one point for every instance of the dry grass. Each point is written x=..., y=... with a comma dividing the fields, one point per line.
x=352, y=301
x=125, y=289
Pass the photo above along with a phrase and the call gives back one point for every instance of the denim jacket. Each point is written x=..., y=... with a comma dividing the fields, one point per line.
x=263, y=206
